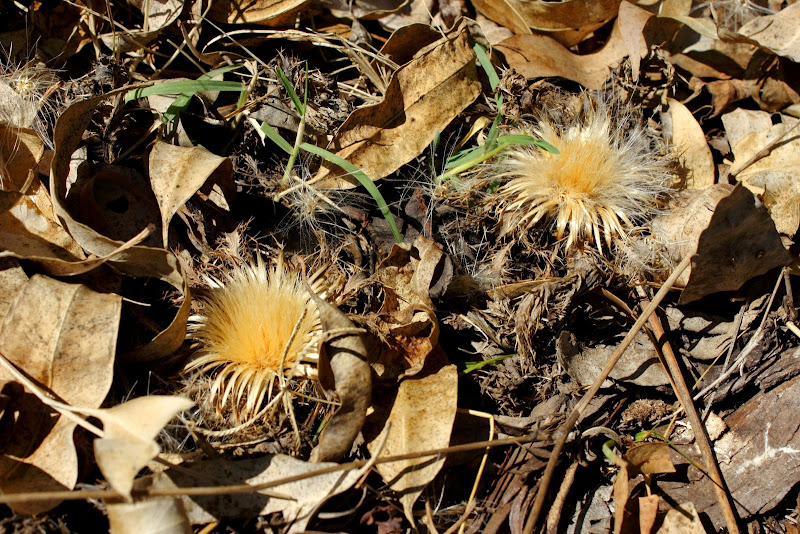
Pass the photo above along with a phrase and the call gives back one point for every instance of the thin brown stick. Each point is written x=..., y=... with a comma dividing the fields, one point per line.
x=700, y=434
x=233, y=489
x=576, y=413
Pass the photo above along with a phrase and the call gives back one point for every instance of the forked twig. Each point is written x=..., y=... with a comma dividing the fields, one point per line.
x=576, y=413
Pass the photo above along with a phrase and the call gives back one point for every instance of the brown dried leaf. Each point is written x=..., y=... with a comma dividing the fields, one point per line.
x=21, y=149
x=568, y=22
x=649, y=459
x=682, y=519
x=304, y=496
x=344, y=366
x=423, y=96
x=536, y=56
x=418, y=417
x=363, y=9
x=689, y=142
x=64, y=337
x=271, y=13
x=177, y=173
x=137, y=261
x=648, y=512
x=129, y=432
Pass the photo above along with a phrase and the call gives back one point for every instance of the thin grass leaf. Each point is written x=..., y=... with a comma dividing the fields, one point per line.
x=363, y=179
x=183, y=101
x=488, y=68
x=276, y=138
x=465, y=368
x=544, y=145
x=183, y=86
x=301, y=109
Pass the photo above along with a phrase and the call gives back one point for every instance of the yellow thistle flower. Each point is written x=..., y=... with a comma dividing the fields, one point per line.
x=604, y=179
x=256, y=323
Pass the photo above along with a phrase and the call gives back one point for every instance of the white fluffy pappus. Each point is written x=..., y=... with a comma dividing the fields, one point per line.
x=605, y=179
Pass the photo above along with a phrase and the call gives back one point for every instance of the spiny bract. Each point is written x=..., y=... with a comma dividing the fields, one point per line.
x=603, y=180
x=260, y=321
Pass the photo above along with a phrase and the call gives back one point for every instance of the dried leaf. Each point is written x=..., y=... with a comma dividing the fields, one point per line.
x=774, y=176
x=648, y=512
x=683, y=519
x=536, y=56
x=418, y=417
x=568, y=22
x=135, y=261
x=129, y=436
x=21, y=149
x=778, y=33
x=303, y=497
x=649, y=459
x=423, y=96
x=64, y=337
x=271, y=13
x=350, y=378
x=154, y=516
x=177, y=173
x=689, y=141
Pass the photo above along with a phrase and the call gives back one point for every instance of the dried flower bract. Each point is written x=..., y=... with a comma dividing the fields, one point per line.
x=257, y=323
x=605, y=179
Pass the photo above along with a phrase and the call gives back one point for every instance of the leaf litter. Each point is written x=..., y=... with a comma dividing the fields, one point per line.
x=472, y=242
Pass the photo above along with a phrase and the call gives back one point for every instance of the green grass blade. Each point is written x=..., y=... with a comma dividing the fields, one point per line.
x=289, y=89
x=488, y=68
x=276, y=138
x=183, y=86
x=544, y=145
x=465, y=368
x=363, y=179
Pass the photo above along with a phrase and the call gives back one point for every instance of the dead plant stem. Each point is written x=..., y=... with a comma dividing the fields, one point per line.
x=576, y=413
x=700, y=434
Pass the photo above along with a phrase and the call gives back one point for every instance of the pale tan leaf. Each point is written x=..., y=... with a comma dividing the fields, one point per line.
x=740, y=122
x=690, y=144
x=177, y=173
x=682, y=519
x=419, y=417
x=129, y=430
x=302, y=498
x=779, y=33
x=64, y=337
x=423, y=97
x=155, y=516
x=649, y=458
x=272, y=13
x=648, y=512
x=776, y=176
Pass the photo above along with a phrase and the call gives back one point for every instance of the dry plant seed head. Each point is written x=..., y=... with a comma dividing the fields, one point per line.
x=26, y=92
x=605, y=179
x=257, y=323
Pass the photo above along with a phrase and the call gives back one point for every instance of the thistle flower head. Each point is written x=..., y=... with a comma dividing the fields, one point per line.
x=257, y=323
x=604, y=179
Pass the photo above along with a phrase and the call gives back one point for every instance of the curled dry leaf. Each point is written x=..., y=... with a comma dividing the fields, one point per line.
x=137, y=261
x=406, y=322
x=422, y=98
x=129, y=431
x=363, y=9
x=300, y=499
x=177, y=173
x=729, y=232
x=272, y=13
x=64, y=337
x=568, y=22
x=345, y=372
x=158, y=15
x=779, y=33
x=689, y=142
x=538, y=56
x=418, y=416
